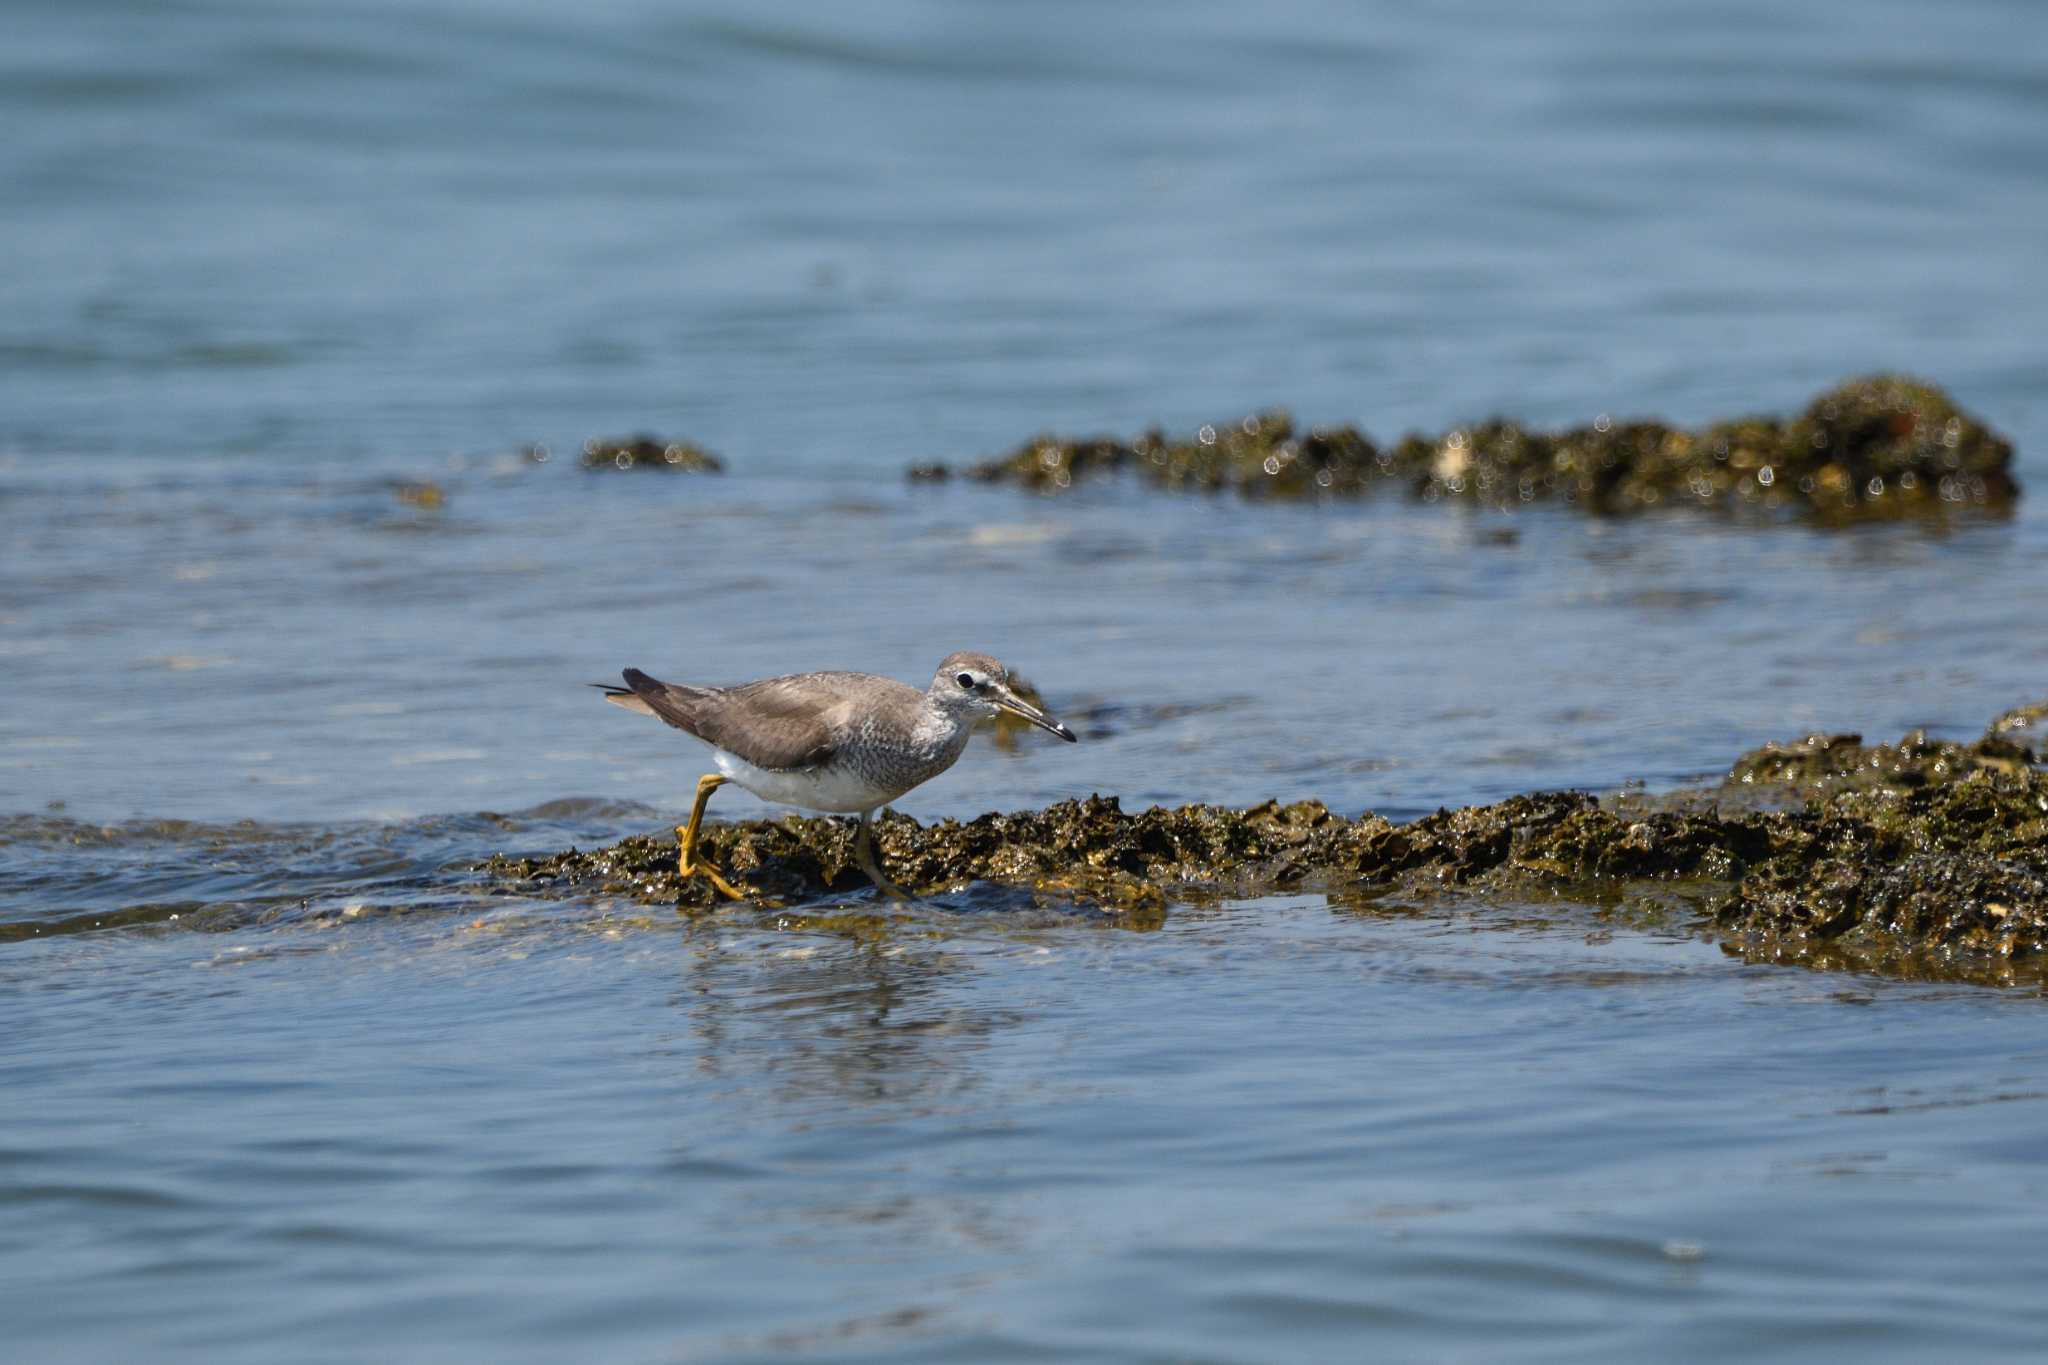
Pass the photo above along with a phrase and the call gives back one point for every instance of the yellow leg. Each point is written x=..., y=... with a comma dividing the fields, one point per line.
x=864, y=854
x=687, y=865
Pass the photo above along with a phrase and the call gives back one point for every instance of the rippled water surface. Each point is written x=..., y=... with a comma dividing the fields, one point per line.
x=292, y=637
x=1268, y=1130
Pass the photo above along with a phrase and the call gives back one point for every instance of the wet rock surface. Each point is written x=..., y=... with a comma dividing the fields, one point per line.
x=1910, y=861
x=1923, y=858
x=648, y=452
x=1870, y=448
x=1822, y=765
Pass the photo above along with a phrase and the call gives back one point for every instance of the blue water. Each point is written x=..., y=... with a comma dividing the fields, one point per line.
x=848, y=236
x=265, y=266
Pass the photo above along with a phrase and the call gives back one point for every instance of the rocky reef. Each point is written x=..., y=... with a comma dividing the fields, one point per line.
x=1922, y=857
x=1870, y=448
x=648, y=452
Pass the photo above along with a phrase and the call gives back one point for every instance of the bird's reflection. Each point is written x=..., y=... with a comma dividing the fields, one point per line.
x=857, y=1060
x=816, y=1021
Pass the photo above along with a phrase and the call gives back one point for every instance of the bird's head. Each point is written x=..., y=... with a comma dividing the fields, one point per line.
x=975, y=686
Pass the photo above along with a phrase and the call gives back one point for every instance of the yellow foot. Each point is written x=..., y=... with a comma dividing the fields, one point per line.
x=688, y=867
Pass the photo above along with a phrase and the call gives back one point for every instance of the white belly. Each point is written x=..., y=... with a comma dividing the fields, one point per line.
x=840, y=791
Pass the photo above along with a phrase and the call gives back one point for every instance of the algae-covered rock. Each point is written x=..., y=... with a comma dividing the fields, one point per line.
x=2024, y=729
x=1260, y=456
x=1092, y=850
x=1893, y=441
x=1821, y=764
x=1947, y=880
x=649, y=452
x=1873, y=447
x=1924, y=857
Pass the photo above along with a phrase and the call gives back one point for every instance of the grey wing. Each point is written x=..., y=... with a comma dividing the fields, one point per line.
x=777, y=723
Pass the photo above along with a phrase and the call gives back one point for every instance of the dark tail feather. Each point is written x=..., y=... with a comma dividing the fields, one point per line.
x=625, y=697
x=653, y=697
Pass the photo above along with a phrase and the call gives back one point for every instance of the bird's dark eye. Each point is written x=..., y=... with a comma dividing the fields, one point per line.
x=966, y=680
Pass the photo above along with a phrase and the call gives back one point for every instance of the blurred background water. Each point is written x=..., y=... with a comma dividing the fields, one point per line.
x=267, y=268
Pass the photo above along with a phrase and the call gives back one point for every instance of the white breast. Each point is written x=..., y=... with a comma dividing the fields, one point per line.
x=838, y=789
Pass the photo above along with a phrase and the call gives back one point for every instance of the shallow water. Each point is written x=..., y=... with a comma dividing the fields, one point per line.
x=1264, y=1131
x=282, y=644
x=277, y=1070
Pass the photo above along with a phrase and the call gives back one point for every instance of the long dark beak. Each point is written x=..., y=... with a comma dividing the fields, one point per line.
x=1017, y=706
